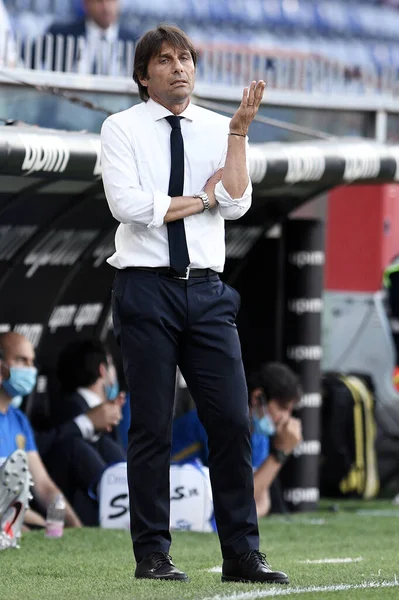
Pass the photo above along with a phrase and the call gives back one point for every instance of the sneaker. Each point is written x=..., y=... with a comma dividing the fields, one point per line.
x=15, y=483
x=251, y=567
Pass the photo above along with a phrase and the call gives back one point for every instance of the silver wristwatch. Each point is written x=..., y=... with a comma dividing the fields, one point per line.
x=205, y=199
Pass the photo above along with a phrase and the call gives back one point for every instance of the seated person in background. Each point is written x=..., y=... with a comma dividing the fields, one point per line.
x=88, y=378
x=274, y=391
x=90, y=398
x=18, y=378
x=74, y=464
x=101, y=31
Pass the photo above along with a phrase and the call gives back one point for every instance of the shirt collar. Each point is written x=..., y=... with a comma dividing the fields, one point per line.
x=111, y=33
x=158, y=112
x=91, y=397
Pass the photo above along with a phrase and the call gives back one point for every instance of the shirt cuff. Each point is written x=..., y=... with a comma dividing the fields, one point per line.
x=86, y=426
x=161, y=207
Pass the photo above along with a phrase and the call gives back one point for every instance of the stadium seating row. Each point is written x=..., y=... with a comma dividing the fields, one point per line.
x=365, y=19
x=355, y=33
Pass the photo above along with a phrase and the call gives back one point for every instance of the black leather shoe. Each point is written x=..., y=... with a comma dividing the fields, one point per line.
x=158, y=565
x=251, y=567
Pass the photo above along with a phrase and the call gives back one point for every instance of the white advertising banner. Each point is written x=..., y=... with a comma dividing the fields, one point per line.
x=191, y=505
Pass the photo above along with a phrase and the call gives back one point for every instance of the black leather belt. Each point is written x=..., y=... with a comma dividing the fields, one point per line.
x=168, y=272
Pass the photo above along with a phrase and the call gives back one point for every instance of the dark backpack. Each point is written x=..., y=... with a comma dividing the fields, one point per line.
x=348, y=465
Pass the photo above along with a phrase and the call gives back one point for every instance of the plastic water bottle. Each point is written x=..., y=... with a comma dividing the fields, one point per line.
x=55, y=518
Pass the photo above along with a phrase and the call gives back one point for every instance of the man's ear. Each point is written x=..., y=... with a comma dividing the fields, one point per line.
x=102, y=370
x=144, y=81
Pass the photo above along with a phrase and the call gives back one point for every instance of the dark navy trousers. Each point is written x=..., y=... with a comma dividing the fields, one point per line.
x=160, y=323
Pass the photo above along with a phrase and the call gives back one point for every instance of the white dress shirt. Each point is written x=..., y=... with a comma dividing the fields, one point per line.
x=99, y=46
x=83, y=421
x=136, y=170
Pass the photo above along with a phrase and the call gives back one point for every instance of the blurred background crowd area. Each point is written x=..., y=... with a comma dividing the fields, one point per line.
x=360, y=33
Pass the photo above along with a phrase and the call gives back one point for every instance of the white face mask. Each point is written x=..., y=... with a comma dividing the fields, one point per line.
x=16, y=401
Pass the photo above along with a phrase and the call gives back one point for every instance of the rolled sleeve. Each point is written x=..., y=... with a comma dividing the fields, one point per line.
x=161, y=207
x=233, y=208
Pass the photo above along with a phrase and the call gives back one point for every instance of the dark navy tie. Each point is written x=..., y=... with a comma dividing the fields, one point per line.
x=178, y=251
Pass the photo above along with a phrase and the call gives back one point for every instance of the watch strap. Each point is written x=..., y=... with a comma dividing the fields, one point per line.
x=280, y=456
x=205, y=199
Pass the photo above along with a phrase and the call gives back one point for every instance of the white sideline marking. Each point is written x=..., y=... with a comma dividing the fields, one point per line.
x=287, y=591
x=378, y=513
x=321, y=561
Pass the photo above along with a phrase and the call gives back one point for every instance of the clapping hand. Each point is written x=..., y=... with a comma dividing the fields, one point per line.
x=251, y=99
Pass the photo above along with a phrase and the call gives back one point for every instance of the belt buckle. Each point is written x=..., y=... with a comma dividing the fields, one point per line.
x=184, y=277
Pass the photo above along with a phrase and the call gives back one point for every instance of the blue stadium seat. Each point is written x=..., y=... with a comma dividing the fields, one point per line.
x=332, y=17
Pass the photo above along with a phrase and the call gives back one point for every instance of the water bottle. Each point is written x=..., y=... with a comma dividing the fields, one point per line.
x=55, y=517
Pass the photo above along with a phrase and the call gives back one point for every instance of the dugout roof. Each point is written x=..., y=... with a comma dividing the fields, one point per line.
x=56, y=230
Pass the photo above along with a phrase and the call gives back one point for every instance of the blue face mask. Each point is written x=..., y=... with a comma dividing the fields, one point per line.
x=112, y=390
x=16, y=401
x=263, y=425
x=21, y=382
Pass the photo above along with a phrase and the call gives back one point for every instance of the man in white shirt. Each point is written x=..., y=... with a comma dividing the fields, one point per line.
x=172, y=173
x=88, y=380
x=18, y=377
x=95, y=40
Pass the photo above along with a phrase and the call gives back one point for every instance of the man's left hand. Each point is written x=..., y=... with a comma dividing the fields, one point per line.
x=251, y=99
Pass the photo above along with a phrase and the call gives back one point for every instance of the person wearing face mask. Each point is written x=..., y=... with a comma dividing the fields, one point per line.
x=274, y=391
x=18, y=448
x=88, y=382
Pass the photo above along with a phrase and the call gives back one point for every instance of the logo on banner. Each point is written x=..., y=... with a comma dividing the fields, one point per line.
x=79, y=316
x=104, y=250
x=47, y=153
x=32, y=331
x=310, y=401
x=257, y=164
x=299, y=495
x=59, y=248
x=240, y=240
x=183, y=525
x=300, y=353
x=41, y=385
x=13, y=238
x=394, y=154
x=299, y=306
x=180, y=492
x=96, y=144
x=361, y=162
x=307, y=259
x=308, y=165
x=308, y=448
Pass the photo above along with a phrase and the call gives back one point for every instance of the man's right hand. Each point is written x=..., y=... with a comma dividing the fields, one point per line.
x=288, y=435
x=107, y=415
x=210, y=185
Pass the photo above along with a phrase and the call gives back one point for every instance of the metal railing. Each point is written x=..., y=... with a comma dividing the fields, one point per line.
x=223, y=65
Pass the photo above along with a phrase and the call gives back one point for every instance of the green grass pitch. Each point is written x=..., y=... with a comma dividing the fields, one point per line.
x=97, y=564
